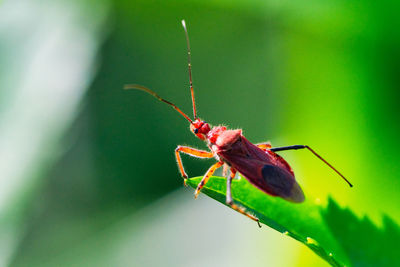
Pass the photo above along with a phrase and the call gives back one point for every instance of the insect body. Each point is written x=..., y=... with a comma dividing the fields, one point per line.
x=258, y=163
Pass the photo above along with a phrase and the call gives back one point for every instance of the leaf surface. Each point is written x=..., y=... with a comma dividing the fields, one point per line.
x=307, y=222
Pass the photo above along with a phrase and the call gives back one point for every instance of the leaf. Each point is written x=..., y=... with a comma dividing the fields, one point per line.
x=302, y=221
x=364, y=242
x=335, y=234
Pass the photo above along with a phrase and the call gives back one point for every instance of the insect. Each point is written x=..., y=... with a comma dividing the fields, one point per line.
x=258, y=163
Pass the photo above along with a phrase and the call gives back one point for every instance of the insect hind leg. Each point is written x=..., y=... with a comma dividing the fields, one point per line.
x=264, y=146
x=225, y=170
x=295, y=147
x=229, y=200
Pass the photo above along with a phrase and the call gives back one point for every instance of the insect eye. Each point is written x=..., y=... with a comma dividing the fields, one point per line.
x=196, y=131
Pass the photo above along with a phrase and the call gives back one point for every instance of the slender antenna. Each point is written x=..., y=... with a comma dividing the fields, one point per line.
x=147, y=90
x=190, y=68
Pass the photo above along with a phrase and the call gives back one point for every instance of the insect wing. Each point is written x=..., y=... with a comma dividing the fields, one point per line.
x=266, y=170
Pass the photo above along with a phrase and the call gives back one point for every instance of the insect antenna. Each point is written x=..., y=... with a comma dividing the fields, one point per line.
x=190, y=68
x=147, y=90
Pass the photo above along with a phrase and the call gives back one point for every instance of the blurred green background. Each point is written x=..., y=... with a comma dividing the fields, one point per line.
x=88, y=172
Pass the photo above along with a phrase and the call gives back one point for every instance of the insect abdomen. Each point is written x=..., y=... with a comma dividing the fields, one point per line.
x=282, y=183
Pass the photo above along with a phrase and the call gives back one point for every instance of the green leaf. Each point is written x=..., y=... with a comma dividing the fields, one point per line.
x=365, y=243
x=302, y=221
x=331, y=232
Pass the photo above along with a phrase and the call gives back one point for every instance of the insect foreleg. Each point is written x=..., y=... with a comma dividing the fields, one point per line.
x=229, y=199
x=191, y=152
x=206, y=177
x=295, y=147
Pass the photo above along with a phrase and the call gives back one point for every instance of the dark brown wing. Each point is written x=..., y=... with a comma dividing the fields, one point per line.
x=266, y=170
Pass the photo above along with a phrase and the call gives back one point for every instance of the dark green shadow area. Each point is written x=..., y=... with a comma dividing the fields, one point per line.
x=365, y=243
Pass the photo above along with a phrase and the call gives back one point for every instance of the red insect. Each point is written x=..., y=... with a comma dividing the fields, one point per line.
x=258, y=163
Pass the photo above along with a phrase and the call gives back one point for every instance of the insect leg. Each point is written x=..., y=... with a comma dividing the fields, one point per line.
x=229, y=199
x=264, y=146
x=225, y=170
x=206, y=177
x=295, y=147
x=191, y=152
